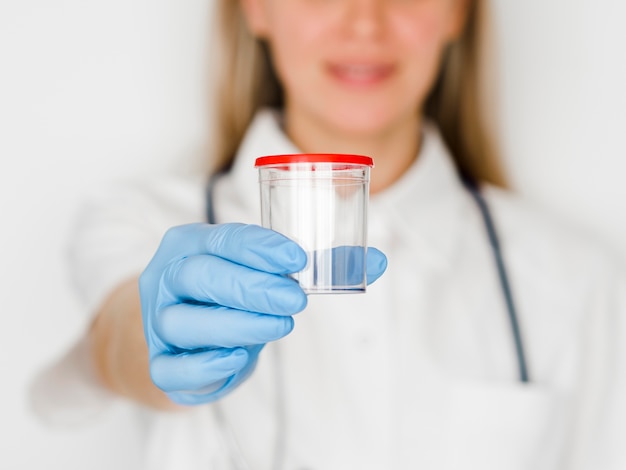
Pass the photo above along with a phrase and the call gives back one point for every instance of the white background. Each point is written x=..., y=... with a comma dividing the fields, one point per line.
x=91, y=91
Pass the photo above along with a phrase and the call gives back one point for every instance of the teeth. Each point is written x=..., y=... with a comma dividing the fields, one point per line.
x=359, y=71
x=359, y=68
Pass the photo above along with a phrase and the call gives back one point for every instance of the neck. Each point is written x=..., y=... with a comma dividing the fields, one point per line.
x=393, y=149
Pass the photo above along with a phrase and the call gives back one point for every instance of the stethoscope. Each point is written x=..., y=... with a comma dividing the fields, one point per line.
x=474, y=190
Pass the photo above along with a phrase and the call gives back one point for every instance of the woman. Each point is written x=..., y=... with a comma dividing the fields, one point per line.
x=427, y=370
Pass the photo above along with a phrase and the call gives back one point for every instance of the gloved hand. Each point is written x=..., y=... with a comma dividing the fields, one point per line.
x=212, y=296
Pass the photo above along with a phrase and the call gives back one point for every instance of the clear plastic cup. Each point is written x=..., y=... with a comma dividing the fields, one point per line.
x=320, y=201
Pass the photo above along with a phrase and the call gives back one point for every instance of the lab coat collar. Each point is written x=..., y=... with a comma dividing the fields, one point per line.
x=263, y=137
x=425, y=206
x=421, y=210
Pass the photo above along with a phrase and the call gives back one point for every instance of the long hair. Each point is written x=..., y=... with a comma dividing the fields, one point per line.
x=247, y=82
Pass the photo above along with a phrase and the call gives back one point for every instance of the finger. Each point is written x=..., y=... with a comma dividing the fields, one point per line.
x=210, y=279
x=221, y=388
x=197, y=370
x=186, y=326
x=376, y=264
x=249, y=245
x=347, y=264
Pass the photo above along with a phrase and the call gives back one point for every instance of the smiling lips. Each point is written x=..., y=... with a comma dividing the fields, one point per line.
x=360, y=75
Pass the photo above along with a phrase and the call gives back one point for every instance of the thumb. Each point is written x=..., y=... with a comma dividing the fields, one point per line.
x=376, y=264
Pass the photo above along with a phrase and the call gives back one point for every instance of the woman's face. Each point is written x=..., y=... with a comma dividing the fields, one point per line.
x=360, y=66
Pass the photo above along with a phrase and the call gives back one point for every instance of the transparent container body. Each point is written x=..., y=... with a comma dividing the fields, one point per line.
x=323, y=207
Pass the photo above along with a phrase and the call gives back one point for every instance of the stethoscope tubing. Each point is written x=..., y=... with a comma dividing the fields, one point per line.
x=503, y=277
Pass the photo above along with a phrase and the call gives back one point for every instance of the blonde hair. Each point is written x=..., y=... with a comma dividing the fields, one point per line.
x=247, y=82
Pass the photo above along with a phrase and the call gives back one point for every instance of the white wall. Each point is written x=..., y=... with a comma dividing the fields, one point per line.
x=95, y=90
x=89, y=90
x=562, y=102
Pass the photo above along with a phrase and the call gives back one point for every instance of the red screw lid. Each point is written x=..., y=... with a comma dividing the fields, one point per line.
x=314, y=158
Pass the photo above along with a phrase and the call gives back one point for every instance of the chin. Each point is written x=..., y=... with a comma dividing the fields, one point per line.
x=364, y=122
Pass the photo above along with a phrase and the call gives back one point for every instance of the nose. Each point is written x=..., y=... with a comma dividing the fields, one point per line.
x=364, y=18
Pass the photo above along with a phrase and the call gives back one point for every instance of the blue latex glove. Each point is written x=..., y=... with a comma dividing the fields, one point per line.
x=212, y=296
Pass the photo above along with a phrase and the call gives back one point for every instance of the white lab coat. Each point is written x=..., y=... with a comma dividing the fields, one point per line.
x=421, y=371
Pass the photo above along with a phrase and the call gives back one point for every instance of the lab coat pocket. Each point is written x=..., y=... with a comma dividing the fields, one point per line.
x=504, y=426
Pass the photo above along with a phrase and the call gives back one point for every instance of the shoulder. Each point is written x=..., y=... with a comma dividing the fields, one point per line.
x=155, y=198
x=554, y=251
